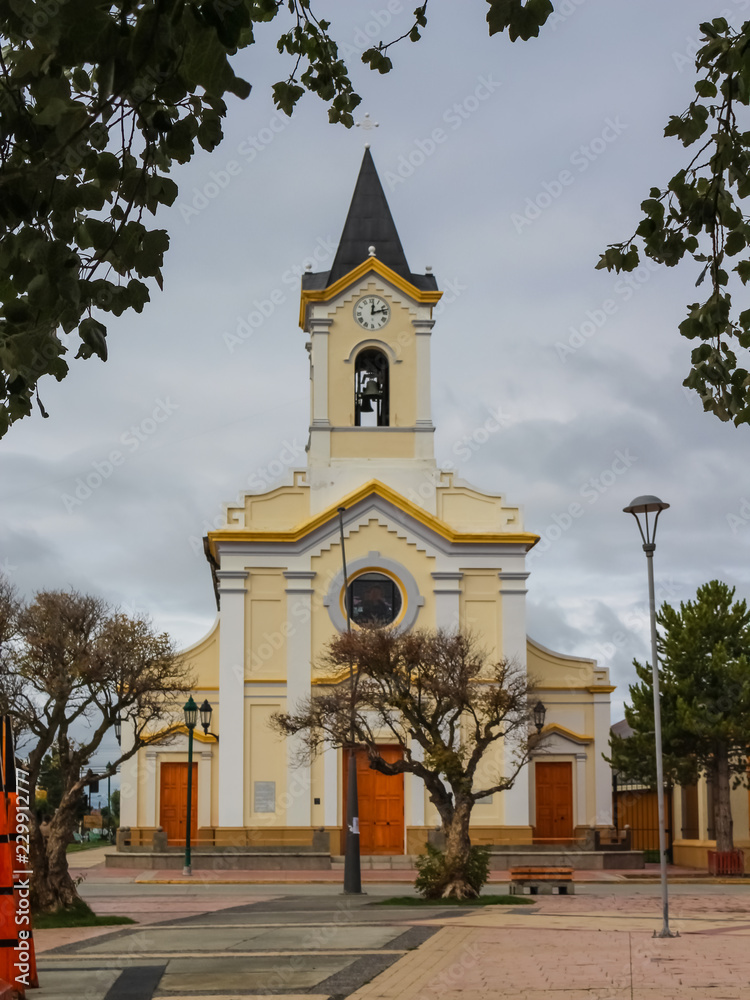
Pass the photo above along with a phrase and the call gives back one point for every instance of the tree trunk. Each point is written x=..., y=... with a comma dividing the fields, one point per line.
x=457, y=852
x=722, y=805
x=52, y=888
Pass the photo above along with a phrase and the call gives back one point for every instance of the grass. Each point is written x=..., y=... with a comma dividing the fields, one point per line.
x=87, y=845
x=481, y=901
x=78, y=916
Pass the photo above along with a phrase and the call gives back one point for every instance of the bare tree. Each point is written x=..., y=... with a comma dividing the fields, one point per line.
x=438, y=696
x=71, y=668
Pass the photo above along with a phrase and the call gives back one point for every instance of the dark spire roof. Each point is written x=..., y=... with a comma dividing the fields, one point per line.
x=368, y=223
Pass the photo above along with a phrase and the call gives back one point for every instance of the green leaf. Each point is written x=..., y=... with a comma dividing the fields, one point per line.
x=286, y=95
x=94, y=337
x=735, y=242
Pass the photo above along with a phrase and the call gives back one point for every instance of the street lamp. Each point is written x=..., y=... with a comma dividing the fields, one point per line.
x=191, y=717
x=540, y=712
x=352, y=869
x=644, y=506
x=118, y=729
x=205, y=714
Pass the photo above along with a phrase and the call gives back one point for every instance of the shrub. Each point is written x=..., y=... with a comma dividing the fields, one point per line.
x=434, y=874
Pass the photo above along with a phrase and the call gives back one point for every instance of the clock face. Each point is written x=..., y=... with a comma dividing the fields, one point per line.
x=372, y=312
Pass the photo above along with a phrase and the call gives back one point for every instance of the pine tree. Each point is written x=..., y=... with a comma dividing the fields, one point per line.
x=704, y=675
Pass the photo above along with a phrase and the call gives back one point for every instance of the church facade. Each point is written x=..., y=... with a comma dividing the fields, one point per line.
x=424, y=549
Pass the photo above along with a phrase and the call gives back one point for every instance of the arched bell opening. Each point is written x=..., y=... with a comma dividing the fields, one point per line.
x=371, y=389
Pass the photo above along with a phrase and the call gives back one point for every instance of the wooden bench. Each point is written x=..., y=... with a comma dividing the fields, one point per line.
x=541, y=879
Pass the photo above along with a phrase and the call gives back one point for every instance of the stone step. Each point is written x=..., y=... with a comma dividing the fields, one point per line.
x=388, y=862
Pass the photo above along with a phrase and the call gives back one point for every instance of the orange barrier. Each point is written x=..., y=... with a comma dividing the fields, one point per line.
x=17, y=956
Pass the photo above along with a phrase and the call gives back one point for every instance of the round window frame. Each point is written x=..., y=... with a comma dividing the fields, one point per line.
x=388, y=576
x=373, y=562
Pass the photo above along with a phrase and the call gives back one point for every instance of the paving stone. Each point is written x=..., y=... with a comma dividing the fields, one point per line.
x=250, y=974
x=62, y=984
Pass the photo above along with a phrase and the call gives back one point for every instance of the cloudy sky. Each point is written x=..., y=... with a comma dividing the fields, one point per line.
x=544, y=151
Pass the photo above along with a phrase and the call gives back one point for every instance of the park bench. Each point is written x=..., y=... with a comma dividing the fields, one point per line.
x=541, y=879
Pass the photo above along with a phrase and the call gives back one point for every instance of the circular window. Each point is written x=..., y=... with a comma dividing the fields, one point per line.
x=374, y=599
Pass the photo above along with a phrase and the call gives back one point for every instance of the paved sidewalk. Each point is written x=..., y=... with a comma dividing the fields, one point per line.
x=312, y=941
x=583, y=947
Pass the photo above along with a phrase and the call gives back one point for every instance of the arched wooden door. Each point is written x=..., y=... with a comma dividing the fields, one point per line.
x=554, y=801
x=381, y=804
x=173, y=802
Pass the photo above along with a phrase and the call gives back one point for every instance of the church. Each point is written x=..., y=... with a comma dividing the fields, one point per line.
x=424, y=549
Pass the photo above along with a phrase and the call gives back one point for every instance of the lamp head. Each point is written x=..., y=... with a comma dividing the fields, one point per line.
x=191, y=713
x=643, y=506
x=540, y=713
x=205, y=713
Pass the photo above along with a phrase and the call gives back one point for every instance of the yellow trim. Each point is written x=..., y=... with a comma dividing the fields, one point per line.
x=265, y=680
x=343, y=675
x=602, y=688
x=371, y=264
x=555, y=727
x=386, y=493
x=182, y=728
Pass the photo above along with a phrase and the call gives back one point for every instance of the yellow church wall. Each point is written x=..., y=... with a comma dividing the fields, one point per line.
x=373, y=537
x=266, y=625
x=203, y=660
x=398, y=334
x=371, y=444
x=277, y=510
x=467, y=510
x=555, y=670
x=265, y=754
x=317, y=789
x=479, y=608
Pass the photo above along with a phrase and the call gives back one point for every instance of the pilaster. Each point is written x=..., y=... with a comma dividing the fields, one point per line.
x=447, y=591
x=232, y=696
x=513, y=616
x=298, y=689
x=128, y=780
x=602, y=770
x=330, y=786
x=583, y=815
x=149, y=790
x=204, y=787
x=416, y=792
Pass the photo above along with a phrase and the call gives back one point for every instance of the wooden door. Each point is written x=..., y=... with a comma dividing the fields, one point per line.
x=381, y=804
x=554, y=801
x=173, y=802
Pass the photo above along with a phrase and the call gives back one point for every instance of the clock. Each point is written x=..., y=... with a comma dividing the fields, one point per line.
x=372, y=312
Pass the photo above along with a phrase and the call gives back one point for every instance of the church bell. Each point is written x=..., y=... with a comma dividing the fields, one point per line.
x=370, y=394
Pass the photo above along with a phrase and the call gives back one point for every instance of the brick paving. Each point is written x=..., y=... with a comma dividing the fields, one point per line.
x=571, y=948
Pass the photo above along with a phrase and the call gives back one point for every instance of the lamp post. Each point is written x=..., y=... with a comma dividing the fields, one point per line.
x=646, y=505
x=191, y=717
x=109, y=802
x=352, y=869
x=191, y=711
x=118, y=729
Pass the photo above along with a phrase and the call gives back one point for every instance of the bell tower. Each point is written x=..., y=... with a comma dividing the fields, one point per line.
x=369, y=323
